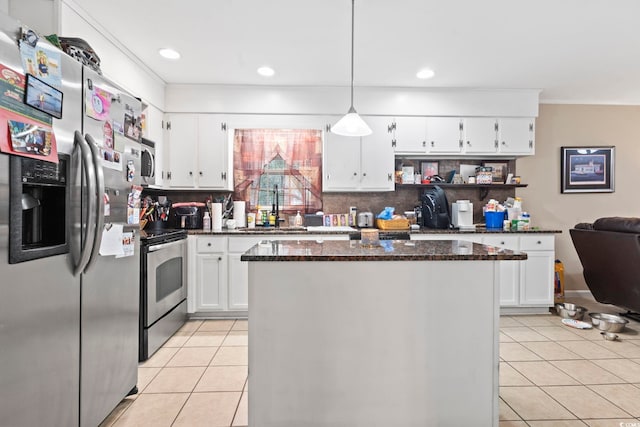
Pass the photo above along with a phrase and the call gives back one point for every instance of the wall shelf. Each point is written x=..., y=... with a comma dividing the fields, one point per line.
x=448, y=185
x=482, y=188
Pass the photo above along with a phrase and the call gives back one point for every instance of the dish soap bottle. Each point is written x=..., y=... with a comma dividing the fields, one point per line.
x=206, y=221
x=297, y=221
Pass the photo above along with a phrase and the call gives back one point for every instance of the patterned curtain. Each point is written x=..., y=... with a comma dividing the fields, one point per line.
x=288, y=158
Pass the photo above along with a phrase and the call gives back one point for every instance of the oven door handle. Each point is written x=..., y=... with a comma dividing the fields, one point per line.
x=154, y=248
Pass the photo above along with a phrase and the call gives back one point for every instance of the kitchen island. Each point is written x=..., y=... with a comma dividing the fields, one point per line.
x=400, y=333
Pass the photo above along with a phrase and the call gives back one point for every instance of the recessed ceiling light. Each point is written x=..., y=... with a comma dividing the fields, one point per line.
x=169, y=53
x=425, y=74
x=266, y=71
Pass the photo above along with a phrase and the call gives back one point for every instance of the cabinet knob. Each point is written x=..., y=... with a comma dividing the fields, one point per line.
x=201, y=173
x=424, y=143
x=504, y=143
x=209, y=244
x=219, y=258
x=190, y=173
x=355, y=174
x=364, y=174
x=539, y=242
x=433, y=143
x=468, y=142
x=502, y=243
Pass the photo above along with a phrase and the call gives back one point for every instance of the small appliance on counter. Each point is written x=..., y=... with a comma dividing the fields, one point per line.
x=365, y=220
x=462, y=215
x=188, y=215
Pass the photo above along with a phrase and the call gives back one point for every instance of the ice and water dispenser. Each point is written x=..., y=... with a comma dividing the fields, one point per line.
x=39, y=206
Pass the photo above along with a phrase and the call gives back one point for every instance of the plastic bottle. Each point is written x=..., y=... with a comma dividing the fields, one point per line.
x=206, y=221
x=298, y=220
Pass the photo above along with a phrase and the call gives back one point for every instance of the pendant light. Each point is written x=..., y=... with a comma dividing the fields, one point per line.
x=351, y=124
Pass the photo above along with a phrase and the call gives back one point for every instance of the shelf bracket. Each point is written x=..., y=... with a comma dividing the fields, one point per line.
x=483, y=192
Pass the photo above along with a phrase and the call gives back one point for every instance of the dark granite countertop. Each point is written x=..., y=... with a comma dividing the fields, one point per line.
x=388, y=250
x=260, y=231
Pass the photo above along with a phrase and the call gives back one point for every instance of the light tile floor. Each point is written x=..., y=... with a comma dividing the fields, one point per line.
x=550, y=376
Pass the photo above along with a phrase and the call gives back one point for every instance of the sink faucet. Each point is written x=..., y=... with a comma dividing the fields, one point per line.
x=277, y=205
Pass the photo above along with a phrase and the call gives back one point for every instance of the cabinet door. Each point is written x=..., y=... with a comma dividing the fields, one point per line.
x=479, y=135
x=516, y=135
x=377, y=158
x=340, y=162
x=410, y=134
x=536, y=278
x=183, y=154
x=214, y=147
x=211, y=280
x=509, y=270
x=238, y=283
x=444, y=135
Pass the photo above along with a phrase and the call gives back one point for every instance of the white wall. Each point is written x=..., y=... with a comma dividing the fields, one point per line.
x=45, y=21
x=335, y=100
x=580, y=125
x=65, y=18
x=116, y=62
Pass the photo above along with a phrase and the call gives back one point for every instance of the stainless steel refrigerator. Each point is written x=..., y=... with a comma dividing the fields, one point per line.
x=68, y=315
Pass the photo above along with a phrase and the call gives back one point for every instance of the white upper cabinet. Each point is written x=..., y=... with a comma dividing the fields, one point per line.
x=460, y=136
x=408, y=135
x=199, y=152
x=182, y=141
x=359, y=164
x=377, y=162
x=516, y=136
x=444, y=135
x=479, y=135
x=214, y=153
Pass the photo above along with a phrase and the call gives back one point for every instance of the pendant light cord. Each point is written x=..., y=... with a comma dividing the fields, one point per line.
x=353, y=3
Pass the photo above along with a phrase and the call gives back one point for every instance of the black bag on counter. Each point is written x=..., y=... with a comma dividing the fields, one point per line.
x=435, y=209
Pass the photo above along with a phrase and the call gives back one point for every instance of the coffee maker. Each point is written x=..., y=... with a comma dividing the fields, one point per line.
x=462, y=215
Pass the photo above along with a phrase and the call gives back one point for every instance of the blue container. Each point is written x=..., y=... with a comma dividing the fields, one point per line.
x=494, y=219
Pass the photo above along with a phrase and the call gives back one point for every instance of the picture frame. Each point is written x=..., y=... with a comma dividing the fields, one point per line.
x=43, y=97
x=429, y=169
x=499, y=171
x=587, y=169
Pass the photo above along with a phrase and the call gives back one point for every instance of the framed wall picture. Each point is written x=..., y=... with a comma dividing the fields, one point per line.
x=587, y=169
x=498, y=172
x=429, y=169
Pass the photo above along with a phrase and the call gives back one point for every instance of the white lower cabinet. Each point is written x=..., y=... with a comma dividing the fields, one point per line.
x=207, y=275
x=218, y=279
x=536, y=274
x=525, y=287
x=509, y=270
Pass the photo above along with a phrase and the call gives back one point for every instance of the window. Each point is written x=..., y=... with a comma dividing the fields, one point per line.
x=290, y=159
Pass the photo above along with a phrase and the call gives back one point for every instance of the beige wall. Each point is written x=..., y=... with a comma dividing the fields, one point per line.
x=580, y=125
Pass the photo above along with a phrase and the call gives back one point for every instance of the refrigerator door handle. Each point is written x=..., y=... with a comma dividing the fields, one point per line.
x=87, y=168
x=98, y=209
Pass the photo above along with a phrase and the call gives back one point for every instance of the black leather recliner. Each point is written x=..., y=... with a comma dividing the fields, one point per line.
x=609, y=250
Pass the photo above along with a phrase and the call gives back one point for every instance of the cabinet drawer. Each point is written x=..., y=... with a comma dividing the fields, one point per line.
x=502, y=241
x=211, y=244
x=536, y=243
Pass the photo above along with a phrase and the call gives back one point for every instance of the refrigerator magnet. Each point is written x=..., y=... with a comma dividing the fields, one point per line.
x=107, y=205
x=131, y=170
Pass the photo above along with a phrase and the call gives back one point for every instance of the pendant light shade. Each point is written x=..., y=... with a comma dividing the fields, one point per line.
x=351, y=124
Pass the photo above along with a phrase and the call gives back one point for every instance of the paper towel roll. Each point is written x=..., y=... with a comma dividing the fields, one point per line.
x=216, y=219
x=239, y=213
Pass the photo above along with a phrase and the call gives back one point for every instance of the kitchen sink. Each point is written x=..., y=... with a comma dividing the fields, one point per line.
x=273, y=230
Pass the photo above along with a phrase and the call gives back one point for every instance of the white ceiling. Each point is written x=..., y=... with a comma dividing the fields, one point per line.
x=575, y=51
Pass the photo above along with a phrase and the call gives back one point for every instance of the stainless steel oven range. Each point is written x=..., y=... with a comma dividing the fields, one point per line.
x=163, y=288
